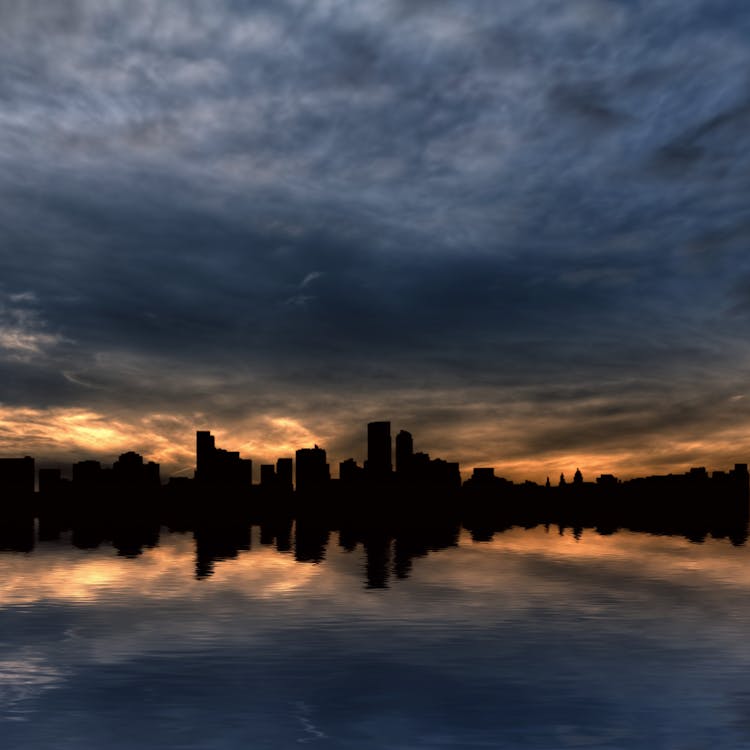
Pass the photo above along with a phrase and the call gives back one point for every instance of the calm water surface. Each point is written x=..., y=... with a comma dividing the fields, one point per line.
x=532, y=640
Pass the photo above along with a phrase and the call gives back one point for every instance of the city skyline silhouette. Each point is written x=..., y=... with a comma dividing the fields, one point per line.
x=397, y=510
x=386, y=459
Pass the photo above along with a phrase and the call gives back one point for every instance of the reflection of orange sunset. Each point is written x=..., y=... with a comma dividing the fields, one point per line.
x=167, y=571
x=163, y=572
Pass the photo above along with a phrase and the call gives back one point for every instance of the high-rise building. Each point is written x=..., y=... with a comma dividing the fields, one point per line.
x=267, y=475
x=87, y=475
x=379, y=452
x=17, y=476
x=284, y=472
x=217, y=466
x=205, y=447
x=312, y=470
x=50, y=481
x=404, y=453
x=130, y=471
x=349, y=472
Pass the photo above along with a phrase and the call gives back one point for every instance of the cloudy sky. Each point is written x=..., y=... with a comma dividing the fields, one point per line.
x=519, y=229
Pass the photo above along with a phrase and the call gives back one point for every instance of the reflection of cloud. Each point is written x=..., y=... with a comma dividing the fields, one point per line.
x=530, y=630
x=23, y=677
x=502, y=610
x=166, y=572
x=503, y=569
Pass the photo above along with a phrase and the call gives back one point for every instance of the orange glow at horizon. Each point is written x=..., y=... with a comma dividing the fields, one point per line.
x=70, y=434
x=64, y=435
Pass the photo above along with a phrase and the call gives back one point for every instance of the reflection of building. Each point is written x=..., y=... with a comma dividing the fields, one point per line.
x=379, y=463
x=17, y=476
x=219, y=467
x=312, y=469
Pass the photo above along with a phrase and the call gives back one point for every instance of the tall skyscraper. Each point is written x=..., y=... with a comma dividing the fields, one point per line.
x=267, y=476
x=17, y=476
x=217, y=466
x=312, y=470
x=404, y=453
x=130, y=471
x=284, y=471
x=87, y=475
x=379, y=451
x=205, y=446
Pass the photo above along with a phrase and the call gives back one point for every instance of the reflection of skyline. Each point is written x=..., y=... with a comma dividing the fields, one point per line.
x=286, y=559
x=512, y=608
x=57, y=571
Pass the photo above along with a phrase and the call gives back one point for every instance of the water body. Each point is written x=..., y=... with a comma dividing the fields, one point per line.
x=534, y=639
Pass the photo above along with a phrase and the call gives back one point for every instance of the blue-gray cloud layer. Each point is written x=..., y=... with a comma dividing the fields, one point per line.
x=331, y=202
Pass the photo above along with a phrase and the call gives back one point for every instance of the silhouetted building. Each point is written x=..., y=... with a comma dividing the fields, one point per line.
x=350, y=473
x=444, y=474
x=87, y=475
x=312, y=470
x=51, y=482
x=379, y=462
x=218, y=467
x=482, y=478
x=17, y=476
x=607, y=480
x=130, y=471
x=284, y=473
x=741, y=474
x=267, y=475
x=404, y=453
x=205, y=447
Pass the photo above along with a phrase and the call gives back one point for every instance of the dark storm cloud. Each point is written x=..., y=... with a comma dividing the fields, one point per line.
x=288, y=206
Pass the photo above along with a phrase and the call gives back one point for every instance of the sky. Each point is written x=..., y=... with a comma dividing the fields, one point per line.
x=518, y=229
